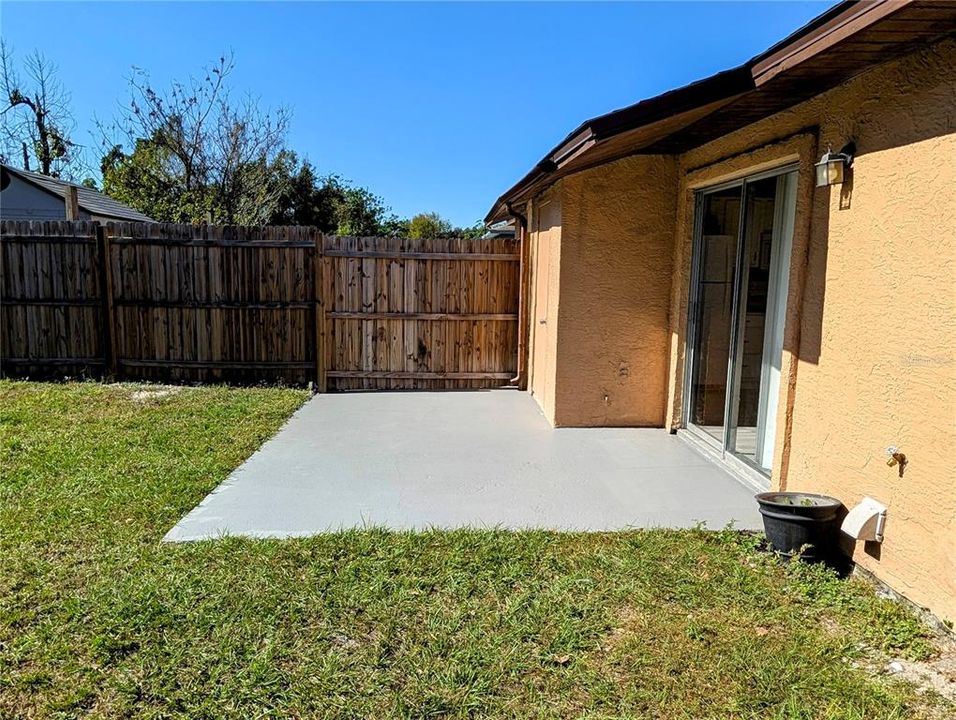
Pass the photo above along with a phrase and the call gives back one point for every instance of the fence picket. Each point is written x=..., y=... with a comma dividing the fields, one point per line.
x=209, y=303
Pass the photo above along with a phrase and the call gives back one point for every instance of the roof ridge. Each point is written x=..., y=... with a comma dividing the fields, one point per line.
x=50, y=178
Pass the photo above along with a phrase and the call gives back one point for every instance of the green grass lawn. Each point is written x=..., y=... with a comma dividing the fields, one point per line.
x=98, y=618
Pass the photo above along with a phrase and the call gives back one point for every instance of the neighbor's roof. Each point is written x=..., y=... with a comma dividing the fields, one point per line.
x=833, y=47
x=502, y=229
x=95, y=203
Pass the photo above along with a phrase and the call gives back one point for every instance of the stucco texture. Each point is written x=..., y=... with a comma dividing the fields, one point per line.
x=544, y=219
x=616, y=239
x=870, y=343
x=884, y=300
x=870, y=339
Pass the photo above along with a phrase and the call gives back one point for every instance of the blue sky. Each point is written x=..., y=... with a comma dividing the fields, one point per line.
x=434, y=106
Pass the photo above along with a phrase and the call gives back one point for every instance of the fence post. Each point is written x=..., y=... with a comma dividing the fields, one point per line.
x=106, y=291
x=318, y=285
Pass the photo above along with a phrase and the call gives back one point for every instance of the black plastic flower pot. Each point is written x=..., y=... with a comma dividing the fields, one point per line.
x=795, y=521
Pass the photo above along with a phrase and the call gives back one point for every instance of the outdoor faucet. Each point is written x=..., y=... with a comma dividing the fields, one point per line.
x=896, y=458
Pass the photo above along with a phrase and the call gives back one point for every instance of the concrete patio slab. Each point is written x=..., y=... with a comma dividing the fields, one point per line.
x=455, y=459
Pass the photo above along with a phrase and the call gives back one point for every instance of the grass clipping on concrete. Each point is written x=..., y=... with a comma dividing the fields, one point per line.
x=100, y=619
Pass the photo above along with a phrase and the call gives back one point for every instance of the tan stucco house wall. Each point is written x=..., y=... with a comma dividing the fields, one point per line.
x=545, y=224
x=870, y=338
x=601, y=259
x=616, y=268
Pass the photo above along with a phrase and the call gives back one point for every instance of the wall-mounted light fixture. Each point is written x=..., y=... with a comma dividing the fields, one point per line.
x=832, y=167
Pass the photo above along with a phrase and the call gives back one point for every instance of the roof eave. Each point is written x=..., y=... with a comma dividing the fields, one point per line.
x=821, y=34
x=723, y=85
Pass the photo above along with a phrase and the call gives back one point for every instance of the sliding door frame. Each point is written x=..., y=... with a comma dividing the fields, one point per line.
x=725, y=446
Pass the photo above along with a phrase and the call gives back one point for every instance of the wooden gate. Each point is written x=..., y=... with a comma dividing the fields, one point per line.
x=398, y=313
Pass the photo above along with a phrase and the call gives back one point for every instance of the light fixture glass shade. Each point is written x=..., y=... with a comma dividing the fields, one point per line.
x=830, y=169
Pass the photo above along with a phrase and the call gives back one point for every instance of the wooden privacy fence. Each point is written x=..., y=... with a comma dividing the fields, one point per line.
x=52, y=290
x=206, y=303
x=419, y=313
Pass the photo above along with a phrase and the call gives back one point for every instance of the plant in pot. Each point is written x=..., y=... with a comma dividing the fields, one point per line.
x=801, y=523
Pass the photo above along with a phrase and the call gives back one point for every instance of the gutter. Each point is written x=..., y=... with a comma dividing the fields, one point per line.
x=522, y=220
x=522, y=233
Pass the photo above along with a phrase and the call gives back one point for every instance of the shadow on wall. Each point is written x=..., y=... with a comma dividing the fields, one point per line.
x=814, y=292
x=846, y=190
x=878, y=116
x=811, y=319
x=822, y=205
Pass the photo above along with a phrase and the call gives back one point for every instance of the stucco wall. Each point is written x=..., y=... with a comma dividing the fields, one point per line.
x=870, y=347
x=881, y=316
x=544, y=222
x=870, y=340
x=616, y=262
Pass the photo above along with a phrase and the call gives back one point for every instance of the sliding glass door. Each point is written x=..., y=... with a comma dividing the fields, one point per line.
x=718, y=231
x=743, y=238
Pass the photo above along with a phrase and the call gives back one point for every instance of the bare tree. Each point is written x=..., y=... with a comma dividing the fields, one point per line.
x=218, y=152
x=36, y=119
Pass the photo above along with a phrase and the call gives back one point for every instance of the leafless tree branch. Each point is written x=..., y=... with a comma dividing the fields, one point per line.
x=36, y=115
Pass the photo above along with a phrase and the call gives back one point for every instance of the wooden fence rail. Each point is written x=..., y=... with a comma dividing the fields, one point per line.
x=273, y=304
x=418, y=313
x=52, y=298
